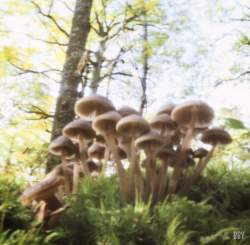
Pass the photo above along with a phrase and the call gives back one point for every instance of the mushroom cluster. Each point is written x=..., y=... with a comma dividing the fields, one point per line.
x=153, y=159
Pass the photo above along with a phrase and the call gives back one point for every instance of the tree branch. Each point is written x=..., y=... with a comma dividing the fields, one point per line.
x=218, y=83
x=50, y=17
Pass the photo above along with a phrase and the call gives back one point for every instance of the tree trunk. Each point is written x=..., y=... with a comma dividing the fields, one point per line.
x=68, y=94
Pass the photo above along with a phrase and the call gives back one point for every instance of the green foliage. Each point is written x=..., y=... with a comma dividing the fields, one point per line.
x=27, y=237
x=98, y=217
x=13, y=215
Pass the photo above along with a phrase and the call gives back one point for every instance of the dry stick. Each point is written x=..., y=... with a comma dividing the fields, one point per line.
x=197, y=172
x=75, y=178
x=83, y=155
x=123, y=178
x=135, y=171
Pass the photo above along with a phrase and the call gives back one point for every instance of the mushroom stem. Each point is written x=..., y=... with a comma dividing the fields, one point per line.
x=83, y=155
x=75, y=178
x=66, y=177
x=150, y=175
x=106, y=158
x=135, y=170
x=197, y=172
x=123, y=178
x=162, y=180
x=179, y=162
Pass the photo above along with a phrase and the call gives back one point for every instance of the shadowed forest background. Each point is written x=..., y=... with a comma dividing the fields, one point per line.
x=140, y=53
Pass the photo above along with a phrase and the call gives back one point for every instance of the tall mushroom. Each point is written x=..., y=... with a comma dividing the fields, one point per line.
x=166, y=156
x=214, y=137
x=105, y=125
x=92, y=106
x=63, y=147
x=132, y=127
x=192, y=115
x=150, y=142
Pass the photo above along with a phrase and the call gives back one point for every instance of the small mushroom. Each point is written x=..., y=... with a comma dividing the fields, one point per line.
x=150, y=142
x=97, y=151
x=105, y=124
x=93, y=105
x=163, y=123
x=132, y=127
x=43, y=190
x=127, y=111
x=213, y=136
x=200, y=153
x=63, y=147
x=166, y=109
x=79, y=131
x=166, y=156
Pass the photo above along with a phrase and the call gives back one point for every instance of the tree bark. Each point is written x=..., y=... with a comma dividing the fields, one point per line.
x=68, y=93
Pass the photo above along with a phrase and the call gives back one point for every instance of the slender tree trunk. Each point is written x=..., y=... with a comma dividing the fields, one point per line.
x=96, y=76
x=64, y=112
x=145, y=66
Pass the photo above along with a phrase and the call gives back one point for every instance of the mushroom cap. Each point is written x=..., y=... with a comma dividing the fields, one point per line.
x=189, y=161
x=93, y=166
x=184, y=113
x=200, y=153
x=121, y=153
x=132, y=126
x=127, y=110
x=163, y=121
x=166, y=153
x=93, y=104
x=79, y=127
x=215, y=136
x=149, y=141
x=166, y=108
x=96, y=151
x=42, y=190
x=106, y=122
x=62, y=146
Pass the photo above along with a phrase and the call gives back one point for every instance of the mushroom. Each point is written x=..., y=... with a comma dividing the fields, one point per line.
x=93, y=105
x=105, y=125
x=163, y=123
x=44, y=190
x=127, y=111
x=79, y=131
x=166, y=156
x=192, y=115
x=214, y=137
x=132, y=127
x=150, y=142
x=166, y=109
x=97, y=151
x=63, y=147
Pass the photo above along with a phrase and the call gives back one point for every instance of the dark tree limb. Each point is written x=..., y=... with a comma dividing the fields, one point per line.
x=51, y=18
x=220, y=82
x=68, y=93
